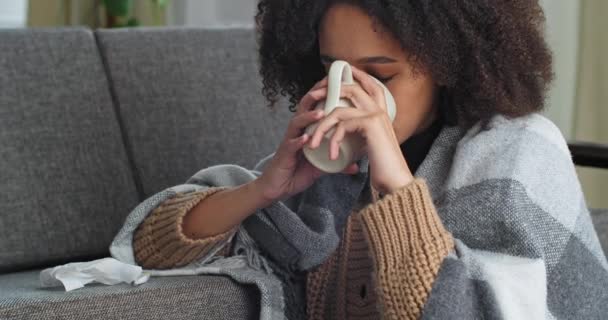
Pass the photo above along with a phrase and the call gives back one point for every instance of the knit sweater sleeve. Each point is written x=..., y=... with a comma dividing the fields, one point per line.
x=408, y=243
x=159, y=241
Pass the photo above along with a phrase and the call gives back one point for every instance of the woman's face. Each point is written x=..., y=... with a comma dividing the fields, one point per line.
x=347, y=33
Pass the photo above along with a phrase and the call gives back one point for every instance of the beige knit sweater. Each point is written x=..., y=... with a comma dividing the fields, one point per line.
x=385, y=266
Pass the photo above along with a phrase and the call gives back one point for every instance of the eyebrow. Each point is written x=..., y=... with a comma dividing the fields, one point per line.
x=364, y=60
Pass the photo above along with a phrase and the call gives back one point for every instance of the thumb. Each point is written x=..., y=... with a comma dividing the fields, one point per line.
x=351, y=169
x=311, y=170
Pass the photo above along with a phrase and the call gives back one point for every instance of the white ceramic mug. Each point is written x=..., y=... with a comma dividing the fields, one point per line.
x=351, y=147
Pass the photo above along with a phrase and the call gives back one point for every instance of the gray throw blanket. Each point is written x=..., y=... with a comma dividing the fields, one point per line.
x=525, y=244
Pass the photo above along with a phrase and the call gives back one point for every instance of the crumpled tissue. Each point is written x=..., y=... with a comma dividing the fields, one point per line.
x=106, y=270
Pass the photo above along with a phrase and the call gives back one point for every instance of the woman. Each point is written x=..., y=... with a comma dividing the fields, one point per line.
x=466, y=206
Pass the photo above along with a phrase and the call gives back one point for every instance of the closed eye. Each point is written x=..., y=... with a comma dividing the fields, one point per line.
x=386, y=79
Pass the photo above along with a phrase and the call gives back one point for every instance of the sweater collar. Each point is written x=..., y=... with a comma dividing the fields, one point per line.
x=416, y=147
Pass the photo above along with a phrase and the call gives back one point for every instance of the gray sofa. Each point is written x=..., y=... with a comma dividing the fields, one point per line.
x=91, y=124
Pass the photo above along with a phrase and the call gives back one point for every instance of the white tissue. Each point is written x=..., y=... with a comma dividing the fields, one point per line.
x=107, y=271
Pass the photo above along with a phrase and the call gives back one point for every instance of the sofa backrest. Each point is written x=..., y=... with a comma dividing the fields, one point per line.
x=93, y=123
x=65, y=181
x=189, y=98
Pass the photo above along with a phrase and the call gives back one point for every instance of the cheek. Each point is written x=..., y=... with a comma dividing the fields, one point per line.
x=414, y=100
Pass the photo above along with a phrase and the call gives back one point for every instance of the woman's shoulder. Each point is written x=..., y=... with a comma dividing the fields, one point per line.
x=503, y=133
x=527, y=154
x=512, y=145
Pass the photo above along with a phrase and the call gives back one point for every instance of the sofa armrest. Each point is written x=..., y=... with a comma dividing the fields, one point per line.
x=589, y=154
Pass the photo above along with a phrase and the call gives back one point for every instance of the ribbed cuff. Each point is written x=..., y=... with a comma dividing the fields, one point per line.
x=159, y=241
x=408, y=243
x=406, y=220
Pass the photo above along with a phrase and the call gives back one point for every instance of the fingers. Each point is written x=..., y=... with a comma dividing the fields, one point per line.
x=301, y=121
x=295, y=144
x=330, y=120
x=321, y=83
x=314, y=171
x=370, y=86
x=310, y=99
x=351, y=169
x=359, y=98
x=334, y=143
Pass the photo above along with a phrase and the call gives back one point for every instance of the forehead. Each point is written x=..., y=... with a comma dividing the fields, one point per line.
x=347, y=32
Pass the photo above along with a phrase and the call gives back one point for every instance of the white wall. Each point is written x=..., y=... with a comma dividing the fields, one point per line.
x=13, y=13
x=212, y=13
x=563, y=37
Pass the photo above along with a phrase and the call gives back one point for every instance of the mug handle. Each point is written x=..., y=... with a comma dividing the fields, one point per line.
x=339, y=72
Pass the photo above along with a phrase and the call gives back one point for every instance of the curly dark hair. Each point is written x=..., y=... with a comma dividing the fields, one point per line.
x=489, y=56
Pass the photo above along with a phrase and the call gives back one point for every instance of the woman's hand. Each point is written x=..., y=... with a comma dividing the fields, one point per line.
x=289, y=173
x=369, y=118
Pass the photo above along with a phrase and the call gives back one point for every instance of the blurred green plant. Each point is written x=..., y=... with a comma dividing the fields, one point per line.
x=119, y=13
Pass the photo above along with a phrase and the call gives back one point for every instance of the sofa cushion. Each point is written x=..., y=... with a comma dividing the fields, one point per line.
x=65, y=183
x=175, y=297
x=189, y=98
